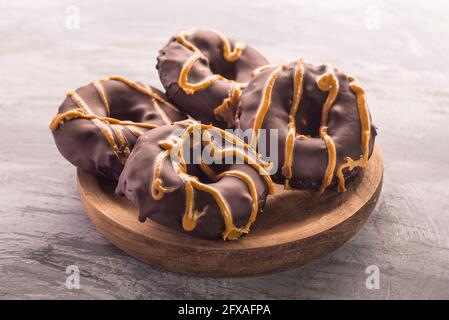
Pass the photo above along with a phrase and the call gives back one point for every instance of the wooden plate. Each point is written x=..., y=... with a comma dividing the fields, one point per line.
x=295, y=228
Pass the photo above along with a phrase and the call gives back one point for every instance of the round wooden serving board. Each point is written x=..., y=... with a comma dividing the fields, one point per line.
x=295, y=228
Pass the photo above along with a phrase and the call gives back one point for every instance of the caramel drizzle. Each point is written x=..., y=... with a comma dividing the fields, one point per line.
x=121, y=148
x=100, y=89
x=135, y=131
x=104, y=98
x=328, y=82
x=253, y=192
x=254, y=156
x=122, y=142
x=229, y=55
x=158, y=108
x=107, y=132
x=145, y=90
x=191, y=183
x=157, y=189
x=251, y=156
x=264, y=105
x=84, y=111
x=260, y=70
x=365, y=130
x=224, y=109
x=123, y=151
x=189, y=88
x=291, y=133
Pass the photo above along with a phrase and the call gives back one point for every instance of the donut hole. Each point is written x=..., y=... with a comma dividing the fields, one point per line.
x=308, y=118
x=309, y=125
x=225, y=69
x=216, y=65
x=135, y=113
x=213, y=52
x=137, y=107
x=194, y=168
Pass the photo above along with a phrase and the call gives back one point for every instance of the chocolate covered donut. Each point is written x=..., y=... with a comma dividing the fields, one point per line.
x=203, y=72
x=208, y=200
x=97, y=125
x=325, y=132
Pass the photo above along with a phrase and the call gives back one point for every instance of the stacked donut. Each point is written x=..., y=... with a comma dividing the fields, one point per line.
x=146, y=139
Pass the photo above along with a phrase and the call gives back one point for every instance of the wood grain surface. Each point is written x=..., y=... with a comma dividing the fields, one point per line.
x=398, y=50
x=295, y=228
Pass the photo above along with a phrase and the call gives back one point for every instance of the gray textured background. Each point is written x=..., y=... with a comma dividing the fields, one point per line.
x=399, y=50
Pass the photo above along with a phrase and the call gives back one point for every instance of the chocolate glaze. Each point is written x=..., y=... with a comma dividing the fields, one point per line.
x=83, y=142
x=137, y=180
x=203, y=103
x=310, y=152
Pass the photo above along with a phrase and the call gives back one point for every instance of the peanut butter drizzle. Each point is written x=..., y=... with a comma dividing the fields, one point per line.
x=190, y=88
x=157, y=189
x=365, y=130
x=251, y=187
x=100, y=89
x=328, y=82
x=253, y=192
x=260, y=69
x=144, y=90
x=181, y=37
x=264, y=105
x=291, y=133
x=84, y=112
x=134, y=130
x=191, y=183
x=162, y=113
x=255, y=157
x=122, y=142
x=158, y=108
x=223, y=111
x=147, y=91
x=122, y=149
x=85, y=109
x=229, y=55
x=80, y=113
x=254, y=161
